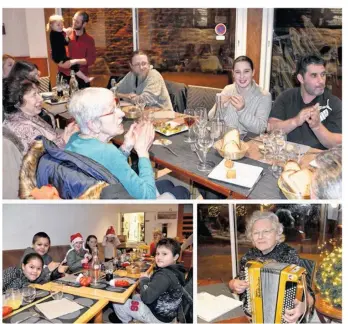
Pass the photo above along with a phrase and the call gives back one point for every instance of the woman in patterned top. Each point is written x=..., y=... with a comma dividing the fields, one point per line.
x=23, y=104
x=266, y=234
x=19, y=277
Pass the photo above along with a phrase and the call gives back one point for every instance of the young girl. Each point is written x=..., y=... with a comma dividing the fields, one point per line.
x=41, y=244
x=59, y=38
x=157, y=235
x=110, y=243
x=27, y=273
x=78, y=254
x=91, y=243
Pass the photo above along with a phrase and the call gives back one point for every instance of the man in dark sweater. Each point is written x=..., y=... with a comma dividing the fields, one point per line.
x=160, y=293
x=310, y=115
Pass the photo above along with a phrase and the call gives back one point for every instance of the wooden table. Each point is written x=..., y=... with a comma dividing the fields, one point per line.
x=115, y=297
x=185, y=164
x=326, y=312
x=96, y=311
x=216, y=288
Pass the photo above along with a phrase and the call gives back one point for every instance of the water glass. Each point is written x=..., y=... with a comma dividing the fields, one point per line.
x=13, y=298
x=189, y=121
x=201, y=117
x=29, y=294
x=57, y=290
x=205, y=141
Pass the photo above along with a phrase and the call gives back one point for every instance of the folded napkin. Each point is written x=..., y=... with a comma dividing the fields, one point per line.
x=210, y=307
x=58, y=308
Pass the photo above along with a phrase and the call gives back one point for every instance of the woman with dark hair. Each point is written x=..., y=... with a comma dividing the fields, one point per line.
x=91, y=243
x=22, y=104
x=24, y=70
x=245, y=105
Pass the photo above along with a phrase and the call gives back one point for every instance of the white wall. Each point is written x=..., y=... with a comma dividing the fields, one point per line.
x=22, y=221
x=25, y=32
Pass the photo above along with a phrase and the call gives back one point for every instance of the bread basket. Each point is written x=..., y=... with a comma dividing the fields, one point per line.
x=232, y=156
x=289, y=194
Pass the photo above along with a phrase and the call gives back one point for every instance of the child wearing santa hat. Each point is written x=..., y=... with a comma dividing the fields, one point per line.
x=110, y=243
x=78, y=254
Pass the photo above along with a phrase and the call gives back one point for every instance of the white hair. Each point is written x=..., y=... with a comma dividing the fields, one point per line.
x=257, y=215
x=88, y=105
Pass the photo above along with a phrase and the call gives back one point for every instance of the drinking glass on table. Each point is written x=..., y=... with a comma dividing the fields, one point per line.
x=65, y=86
x=13, y=298
x=264, y=137
x=217, y=129
x=57, y=290
x=29, y=294
x=205, y=141
x=278, y=145
x=189, y=119
x=201, y=117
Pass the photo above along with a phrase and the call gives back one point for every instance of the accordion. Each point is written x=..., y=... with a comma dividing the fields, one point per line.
x=272, y=289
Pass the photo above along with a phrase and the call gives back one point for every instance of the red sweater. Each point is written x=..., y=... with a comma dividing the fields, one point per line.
x=82, y=47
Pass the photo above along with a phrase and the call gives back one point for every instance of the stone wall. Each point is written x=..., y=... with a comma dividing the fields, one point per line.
x=165, y=33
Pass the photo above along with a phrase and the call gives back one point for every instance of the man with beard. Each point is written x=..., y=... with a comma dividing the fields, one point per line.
x=144, y=82
x=309, y=115
x=81, y=47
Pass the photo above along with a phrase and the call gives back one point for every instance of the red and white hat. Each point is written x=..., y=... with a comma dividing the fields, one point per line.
x=110, y=232
x=75, y=238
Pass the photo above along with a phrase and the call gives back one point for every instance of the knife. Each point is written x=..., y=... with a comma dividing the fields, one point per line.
x=170, y=150
x=257, y=180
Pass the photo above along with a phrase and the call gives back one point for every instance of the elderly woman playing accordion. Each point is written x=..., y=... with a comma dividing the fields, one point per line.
x=265, y=233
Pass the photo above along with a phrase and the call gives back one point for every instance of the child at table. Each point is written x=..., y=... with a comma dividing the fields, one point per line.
x=59, y=38
x=77, y=255
x=22, y=276
x=110, y=243
x=41, y=244
x=160, y=294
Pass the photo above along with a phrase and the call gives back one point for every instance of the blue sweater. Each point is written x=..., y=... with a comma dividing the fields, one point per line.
x=140, y=186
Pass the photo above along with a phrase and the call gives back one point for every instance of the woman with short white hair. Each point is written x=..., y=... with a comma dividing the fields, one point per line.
x=266, y=234
x=99, y=119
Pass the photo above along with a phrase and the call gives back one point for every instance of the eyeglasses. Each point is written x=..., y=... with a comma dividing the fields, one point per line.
x=108, y=114
x=142, y=64
x=264, y=233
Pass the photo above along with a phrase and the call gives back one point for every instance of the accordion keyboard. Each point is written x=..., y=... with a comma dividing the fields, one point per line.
x=290, y=295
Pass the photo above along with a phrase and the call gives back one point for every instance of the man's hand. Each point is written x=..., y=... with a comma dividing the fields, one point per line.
x=303, y=116
x=314, y=118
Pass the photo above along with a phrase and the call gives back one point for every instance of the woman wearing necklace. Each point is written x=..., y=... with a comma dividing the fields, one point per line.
x=22, y=105
x=266, y=234
x=245, y=105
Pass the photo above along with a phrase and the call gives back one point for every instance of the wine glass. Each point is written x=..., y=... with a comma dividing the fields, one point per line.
x=217, y=129
x=13, y=298
x=205, y=141
x=279, y=143
x=264, y=137
x=189, y=121
x=29, y=294
x=57, y=290
x=202, y=117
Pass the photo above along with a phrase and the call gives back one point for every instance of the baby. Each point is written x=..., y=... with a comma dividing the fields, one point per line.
x=59, y=38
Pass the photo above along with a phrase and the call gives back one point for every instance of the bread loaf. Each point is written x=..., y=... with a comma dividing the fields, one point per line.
x=292, y=165
x=232, y=136
x=231, y=147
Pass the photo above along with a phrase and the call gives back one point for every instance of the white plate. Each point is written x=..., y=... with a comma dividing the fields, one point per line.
x=172, y=124
x=46, y=94
x=56, y=103
x=246, y=175
x=112, y=282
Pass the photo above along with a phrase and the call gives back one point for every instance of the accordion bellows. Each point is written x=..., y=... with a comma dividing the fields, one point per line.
x=272, y=289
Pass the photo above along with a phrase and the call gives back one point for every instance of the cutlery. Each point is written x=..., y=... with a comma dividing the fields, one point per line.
x=257, y=180
x=170, y=150
x=194, y=149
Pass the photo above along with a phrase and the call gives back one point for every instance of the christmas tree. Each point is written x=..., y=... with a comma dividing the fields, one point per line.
x=329, y=277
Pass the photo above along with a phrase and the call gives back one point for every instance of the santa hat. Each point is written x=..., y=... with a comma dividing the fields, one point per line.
x=75, y=238
x=110, y=232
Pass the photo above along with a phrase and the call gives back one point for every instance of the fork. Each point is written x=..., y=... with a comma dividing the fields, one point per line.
x=194, y=149
x=170, y=150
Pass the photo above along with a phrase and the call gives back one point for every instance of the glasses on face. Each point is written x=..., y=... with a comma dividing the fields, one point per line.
x=110, y=113
x=142, y=64
x=265, y=233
